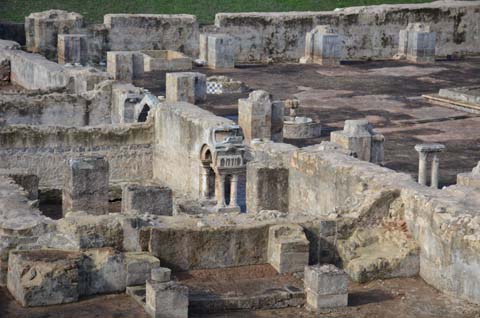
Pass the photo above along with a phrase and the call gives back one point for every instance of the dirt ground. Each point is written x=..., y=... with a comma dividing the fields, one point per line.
x=399, y=298
x=387, y=93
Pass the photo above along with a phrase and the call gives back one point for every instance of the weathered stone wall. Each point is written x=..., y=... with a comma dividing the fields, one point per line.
x=44, y=150
x=135, y=32
x=366, y=31
x=443, y=222
x=181, y=129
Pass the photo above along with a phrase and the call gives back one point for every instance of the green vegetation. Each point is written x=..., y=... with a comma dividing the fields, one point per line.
x=205, y=10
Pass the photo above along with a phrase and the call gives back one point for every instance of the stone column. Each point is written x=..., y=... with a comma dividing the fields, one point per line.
x=204, y=177
x=220, y=190
x=422, y=168
x=435, y=166
x=233, y=191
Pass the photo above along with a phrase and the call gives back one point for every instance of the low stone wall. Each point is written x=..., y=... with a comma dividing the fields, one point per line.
x=181, y=129
x=44, y=150
x=443, y=222
x=367, y=32
x=135, y=32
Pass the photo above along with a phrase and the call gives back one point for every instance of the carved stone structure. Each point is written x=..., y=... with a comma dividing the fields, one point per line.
x=322, y=46
x=470, y=179
x=424, y=150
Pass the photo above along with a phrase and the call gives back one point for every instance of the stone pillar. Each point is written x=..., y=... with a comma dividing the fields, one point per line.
x=422, y=168
x=203, y=46
x=417, y=43
x=72, y=48
x=204, y=180
x=233, y=191
x=221, y=51
x=423, y=151
x=165, y=298
x=86, y=185
x=322, y=46
x=187, y=87
x=255, y=116
x=435, y=167
x=220, y=190
x=326, y=286
x=125, y=65
x=278, y=114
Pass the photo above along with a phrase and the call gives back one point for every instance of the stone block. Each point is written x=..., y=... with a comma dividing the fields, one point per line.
x=322, y=46
x=125, y=65
x=165, y=60
x=140, y=266
x=326, y=280
x=153, y=199
x=421, y=47
x=316, y=302
x=124, y=99
x=86, y=185
x=103, y=271
x=186, y=87
x=161, y=274
x=166, y=300
x=44, y=277
x=221, y=51
x=255, y=116
x=203, y=40
x=29, y=182
x=72, y=48
x=267, y=187
x=288, y=248
x=278, y=112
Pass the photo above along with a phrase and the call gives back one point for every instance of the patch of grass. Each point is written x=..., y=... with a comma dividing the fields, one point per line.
x=205, y=10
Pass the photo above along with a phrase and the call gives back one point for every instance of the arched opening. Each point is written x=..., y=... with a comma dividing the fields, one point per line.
x=207, y=175
x=142, y=117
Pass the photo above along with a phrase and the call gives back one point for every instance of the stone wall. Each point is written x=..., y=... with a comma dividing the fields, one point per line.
x=181, y=129
x=366, y=32
x=443, y=222
x=44, y=150
x=135, y=32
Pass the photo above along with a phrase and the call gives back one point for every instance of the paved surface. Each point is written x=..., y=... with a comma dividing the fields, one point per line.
x=388, y=93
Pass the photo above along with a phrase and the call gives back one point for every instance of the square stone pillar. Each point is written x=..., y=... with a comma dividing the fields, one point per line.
x=288, y=248
x=166, y=299
x=267, y=188
x=203, y=46
x=326, y=286
x=221, y=51
x=356, y=136
x=322, y=46
x=153, y=199
x=255, y=116
x=278, y=114
x=72, y=48
x=125, y=65
x=187, y=87
x=417, y=43
x=86, y=185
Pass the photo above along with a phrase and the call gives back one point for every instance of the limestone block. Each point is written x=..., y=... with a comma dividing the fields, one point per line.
x=9, y=45
x=421, y=47
x=103, y=271
x=72, y=48
x=322, y=46
x=326, y=280
x=153, y=199
x=166, y=300
x=288, y=248
x=221, y=51
x=161, y=274
x=44, y=277
x=86, y=185
x=139, y=266
x=316, y=302
x=165, y=60
x=186, y=87
x=267, y=187
x=356, y=137
x=203, y=40
x=125, y=65
x=255, y=116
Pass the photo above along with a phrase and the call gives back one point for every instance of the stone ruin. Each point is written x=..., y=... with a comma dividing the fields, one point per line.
x=154, y=186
